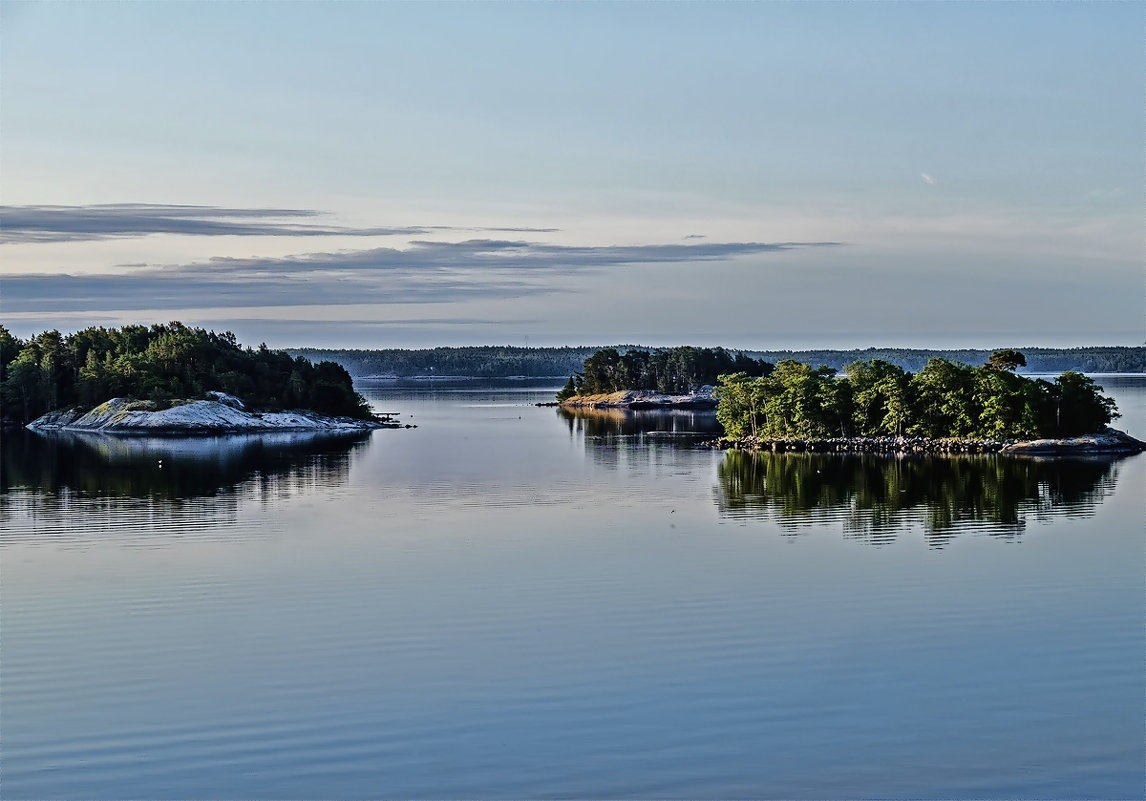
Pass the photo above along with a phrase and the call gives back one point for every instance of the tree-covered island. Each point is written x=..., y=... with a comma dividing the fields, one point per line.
x=669, y=371
x=155, y=368
x=871, y=406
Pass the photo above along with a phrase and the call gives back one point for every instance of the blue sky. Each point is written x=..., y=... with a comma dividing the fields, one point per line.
x=409, y=174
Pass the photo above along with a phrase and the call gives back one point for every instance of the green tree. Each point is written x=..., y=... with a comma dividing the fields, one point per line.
x=805, y=402
x=601, y=373
x=737, y=405
x=881, y=399
x=1080, y=406
x=1009, y=405
x=23, y=388
x=10, y=348
x=1006, y=360
x=92, y=387
x=943, y=400
x=568, y=391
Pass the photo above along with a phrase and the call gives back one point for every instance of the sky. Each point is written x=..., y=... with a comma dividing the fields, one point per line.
x=754, y=175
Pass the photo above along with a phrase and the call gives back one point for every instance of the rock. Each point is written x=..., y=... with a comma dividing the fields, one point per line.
x=1109, y=440
x=227, y=400
x=120, y=415
x=60, y=418
x=703, y=398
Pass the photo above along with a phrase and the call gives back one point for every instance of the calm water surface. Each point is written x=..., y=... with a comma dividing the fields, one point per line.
x=510, y=601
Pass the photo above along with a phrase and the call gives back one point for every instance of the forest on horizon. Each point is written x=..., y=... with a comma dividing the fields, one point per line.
x=495, y=361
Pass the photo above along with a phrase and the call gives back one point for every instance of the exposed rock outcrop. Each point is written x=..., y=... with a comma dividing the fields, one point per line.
x=644, y=399
x=1109, y=440
x=225, y=414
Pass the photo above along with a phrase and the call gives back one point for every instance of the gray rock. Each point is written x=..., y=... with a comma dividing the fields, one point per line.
x=120, y=415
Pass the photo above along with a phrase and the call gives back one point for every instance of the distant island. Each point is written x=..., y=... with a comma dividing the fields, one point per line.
x=171, y=379
x=875, y=406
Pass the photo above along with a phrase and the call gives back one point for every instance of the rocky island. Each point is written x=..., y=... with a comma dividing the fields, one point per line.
x=172, y=379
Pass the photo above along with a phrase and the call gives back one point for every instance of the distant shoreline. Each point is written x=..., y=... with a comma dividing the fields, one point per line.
x=499, y=361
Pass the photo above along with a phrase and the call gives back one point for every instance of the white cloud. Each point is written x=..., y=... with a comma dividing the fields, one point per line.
x=930, y=180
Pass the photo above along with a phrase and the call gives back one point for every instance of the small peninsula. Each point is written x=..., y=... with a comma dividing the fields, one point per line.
x=175, y=380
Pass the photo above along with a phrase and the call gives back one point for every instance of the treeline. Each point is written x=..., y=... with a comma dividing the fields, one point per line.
x=667, y=370
x=162, y=362
x=502, y=361
x=944, y=399
x=1114, y=359
x=481, y=362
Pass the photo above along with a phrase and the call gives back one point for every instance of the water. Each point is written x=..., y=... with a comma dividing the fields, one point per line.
x=510, y=601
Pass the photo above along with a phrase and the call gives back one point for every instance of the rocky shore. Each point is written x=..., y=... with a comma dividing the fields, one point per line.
x=1108, y=441
x=643, y=399
x=225, y=414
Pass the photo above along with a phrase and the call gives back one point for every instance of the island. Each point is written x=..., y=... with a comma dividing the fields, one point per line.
x=873, y=407
x=173, y=380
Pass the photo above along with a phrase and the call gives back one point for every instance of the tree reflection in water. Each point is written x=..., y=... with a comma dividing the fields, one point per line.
x=614, y=423
x=874, y=498
x=619, y=438
x=63, y=480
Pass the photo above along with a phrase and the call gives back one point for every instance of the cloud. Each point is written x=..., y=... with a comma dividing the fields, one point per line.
x=928, y=179
x=480, y=258
x=410, y=322
x=425, y=272
x=195, y=289
x=33, y=224
x=504, y=230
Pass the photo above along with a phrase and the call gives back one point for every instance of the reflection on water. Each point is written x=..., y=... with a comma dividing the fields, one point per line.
x=610, y=433
x=507, y=599
x=636, y=441
x=169, y=467
x=60, y=481
x=874, y=498
x=610, y=425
